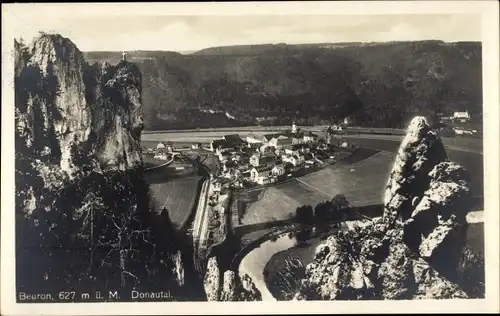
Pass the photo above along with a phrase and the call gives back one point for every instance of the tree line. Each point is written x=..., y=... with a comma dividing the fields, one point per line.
x=320, y=217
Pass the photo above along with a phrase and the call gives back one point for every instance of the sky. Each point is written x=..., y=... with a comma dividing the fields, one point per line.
x=157, y=31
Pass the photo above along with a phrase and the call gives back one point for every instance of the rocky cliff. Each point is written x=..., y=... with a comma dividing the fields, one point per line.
x=228, y=285
x=66, y=105
x=413, y=250
x=82, y=203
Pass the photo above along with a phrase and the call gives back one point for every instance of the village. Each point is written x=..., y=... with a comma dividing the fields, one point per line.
x=268, y=158
x=235, y=162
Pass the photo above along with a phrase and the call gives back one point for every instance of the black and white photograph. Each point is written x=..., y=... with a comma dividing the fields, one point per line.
x=165, y=153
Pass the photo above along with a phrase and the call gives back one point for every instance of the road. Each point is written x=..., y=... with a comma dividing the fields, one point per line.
x=200, y=224
x=201, y=220
x=203, y=233
x=162, y=165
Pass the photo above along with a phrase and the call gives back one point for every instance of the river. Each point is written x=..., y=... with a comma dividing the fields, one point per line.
x=255, y=261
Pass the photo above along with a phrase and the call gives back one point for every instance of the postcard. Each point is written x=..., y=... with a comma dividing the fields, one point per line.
x=250, y=157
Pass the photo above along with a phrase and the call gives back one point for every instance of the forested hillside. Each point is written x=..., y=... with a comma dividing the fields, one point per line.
x=379, y=85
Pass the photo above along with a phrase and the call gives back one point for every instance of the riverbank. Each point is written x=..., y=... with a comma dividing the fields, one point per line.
x=286, y=268
x=257, y=255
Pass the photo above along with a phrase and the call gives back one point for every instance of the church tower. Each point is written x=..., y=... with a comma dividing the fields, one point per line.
x=294, y=127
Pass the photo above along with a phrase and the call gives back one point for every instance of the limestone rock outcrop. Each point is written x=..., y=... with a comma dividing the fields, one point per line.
x=178, y=268
x=228, y=286
x=239, y=288
x=79, y=171
x=411, y=251
x=228, y=293
x=119, y=117
x=65, y=105
x=420, y=150
x=72, y=119
x=65, y=111
x=211, y=281
x=247, y=290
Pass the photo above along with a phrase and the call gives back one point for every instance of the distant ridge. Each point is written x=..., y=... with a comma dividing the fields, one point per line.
x=254, y=49
x=266, y=48
x=374, y=84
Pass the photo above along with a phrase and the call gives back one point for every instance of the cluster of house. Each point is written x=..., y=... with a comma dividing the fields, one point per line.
x=263, y=159
x=457, y=116
x=163, y=150
x=460, y=117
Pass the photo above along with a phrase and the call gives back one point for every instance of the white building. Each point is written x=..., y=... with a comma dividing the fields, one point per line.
x=162, y=149
x=281, y=143
x=298, y=138
x=261, y=175
x=295, y=160
x=217, y=185
x=258, y=159
x=463, y=116
x=310, y=137
x=255, y=159
x=278, y=170
x=337, y=128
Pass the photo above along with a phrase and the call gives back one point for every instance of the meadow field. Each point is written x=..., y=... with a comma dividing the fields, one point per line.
x=175, y=190
x=271, y=204
x=466, y=152
x=362, y=183
x=178, y=196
